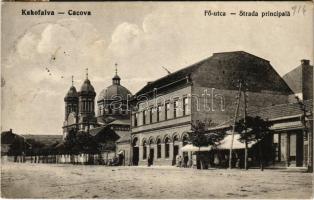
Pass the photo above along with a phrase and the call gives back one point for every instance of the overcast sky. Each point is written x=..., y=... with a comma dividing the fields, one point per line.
x=141, y=37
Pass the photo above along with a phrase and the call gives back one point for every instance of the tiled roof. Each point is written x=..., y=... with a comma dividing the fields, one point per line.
x=275, y=112
x=282, y=110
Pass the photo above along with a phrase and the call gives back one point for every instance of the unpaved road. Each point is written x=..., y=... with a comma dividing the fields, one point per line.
x=79, y=181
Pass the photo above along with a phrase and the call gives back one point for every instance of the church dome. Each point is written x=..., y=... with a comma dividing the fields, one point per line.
x=72, y=93
x=113, y=91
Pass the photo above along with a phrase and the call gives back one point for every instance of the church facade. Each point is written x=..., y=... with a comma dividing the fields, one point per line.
x=111, y=121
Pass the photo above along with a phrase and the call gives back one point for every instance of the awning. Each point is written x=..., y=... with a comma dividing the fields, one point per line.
x=190, y=147
x=226, y=142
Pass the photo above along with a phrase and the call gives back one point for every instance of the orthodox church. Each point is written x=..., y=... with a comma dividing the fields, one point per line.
x=112, y=120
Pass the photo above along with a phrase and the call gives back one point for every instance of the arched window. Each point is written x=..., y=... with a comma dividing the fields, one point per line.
x=167, y=147
x=158, y=148
x=144, y=150
x=175, y=140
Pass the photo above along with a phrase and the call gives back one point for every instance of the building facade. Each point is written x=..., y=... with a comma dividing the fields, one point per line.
x=164, y=109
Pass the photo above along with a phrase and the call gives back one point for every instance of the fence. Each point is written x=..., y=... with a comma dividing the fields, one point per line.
x=107, y=158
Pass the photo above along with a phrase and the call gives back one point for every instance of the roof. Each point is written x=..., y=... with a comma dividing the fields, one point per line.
x=114, y=91
x=282, y=110
x=87, y=87
x=237, y=61
x=168, y=79
x=104, y=134
x=125, y=136
x=8, y=137
x=96, y=130
x=120, y=122
x=72, y=93
x=275, y=112
x=45, y=139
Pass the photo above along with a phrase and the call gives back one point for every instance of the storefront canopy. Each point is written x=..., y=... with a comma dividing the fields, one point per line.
x=226, y=143
x=190, y=147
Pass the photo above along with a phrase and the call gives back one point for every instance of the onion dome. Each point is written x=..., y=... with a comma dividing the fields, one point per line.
x=87, y=87
x=72, y=93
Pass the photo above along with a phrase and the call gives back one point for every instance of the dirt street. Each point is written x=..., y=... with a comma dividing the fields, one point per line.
x=79, y=181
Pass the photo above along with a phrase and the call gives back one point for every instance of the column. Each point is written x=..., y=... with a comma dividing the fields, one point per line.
x=163, y=150
x=287, y=149
x=171, y=152
x=180, y=147
x=155, y=151
x=140, y=153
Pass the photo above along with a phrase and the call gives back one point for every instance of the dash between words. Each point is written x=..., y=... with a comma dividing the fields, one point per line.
x=44, y=12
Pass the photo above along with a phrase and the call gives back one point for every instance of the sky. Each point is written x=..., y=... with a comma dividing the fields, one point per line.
x=39, y=54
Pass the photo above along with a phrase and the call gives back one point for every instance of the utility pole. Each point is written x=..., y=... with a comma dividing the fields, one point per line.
x=309, y=133
x=245, y=130
x=235, y=120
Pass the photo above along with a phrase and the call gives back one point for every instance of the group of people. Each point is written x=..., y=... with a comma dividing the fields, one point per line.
x=183, y=161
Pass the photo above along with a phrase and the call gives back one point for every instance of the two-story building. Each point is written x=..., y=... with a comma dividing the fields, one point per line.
x=164, y=109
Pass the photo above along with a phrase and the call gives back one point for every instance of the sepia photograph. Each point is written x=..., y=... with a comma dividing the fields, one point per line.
x=157, y=100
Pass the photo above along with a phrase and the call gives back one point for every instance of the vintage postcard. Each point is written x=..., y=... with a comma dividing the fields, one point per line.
x=157, y=100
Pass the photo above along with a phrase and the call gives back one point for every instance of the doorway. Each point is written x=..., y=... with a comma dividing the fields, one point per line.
x=151, y=156
x=135, y=156
x=135, y=148
x=175, y=153
x=296, y=149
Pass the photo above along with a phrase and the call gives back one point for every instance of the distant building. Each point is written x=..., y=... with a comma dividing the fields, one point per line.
x=80, y=108
x=113, y=111
x=12, y=143
x=300, y=80
x=112, y=123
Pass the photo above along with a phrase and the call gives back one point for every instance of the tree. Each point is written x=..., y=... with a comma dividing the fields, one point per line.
x=201, y=137
x=253, y=129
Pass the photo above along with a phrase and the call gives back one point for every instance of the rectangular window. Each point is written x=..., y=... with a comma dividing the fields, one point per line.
x=135, y=119
x=185, y=106
x=157, y=112
x=175, y=108
x=159, y=117
x=167, y=111
x=151, y=115
x=144, y=116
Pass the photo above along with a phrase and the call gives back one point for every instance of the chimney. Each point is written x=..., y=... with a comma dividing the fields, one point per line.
x=10, y=130
x=305, y=62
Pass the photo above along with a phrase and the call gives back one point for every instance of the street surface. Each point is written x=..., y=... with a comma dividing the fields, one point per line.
x=28, y=180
